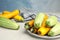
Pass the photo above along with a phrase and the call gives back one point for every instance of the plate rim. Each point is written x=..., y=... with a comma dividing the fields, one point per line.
x=44, y=37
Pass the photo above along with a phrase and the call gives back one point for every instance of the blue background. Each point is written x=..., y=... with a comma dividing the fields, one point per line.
x=41, y=5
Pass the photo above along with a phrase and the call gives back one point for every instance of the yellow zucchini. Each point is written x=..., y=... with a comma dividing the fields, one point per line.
x=11, y=14
x=43, y=29
x=31, y=23
x=17, y=17
x=5, y=12
x=44, y=21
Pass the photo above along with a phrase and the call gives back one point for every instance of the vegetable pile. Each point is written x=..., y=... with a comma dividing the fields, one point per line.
x=7, y=23
x=43, y=25
x=12, y=15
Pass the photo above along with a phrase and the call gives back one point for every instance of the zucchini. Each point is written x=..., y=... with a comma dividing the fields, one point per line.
x=39, y=20
x=51, y=21
x=26, y=27
x=55, y=30
x=6, y=23
x=43, y=30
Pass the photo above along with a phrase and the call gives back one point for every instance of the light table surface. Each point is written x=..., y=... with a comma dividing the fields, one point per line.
x=21, y=34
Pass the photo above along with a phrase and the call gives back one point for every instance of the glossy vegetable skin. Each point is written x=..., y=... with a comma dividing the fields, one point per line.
x=43, y=31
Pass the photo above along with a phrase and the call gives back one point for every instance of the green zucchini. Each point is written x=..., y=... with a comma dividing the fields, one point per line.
x=26, y=27
x=55, y=30
x=51, y=21
x=38, y=20
x=7, y=23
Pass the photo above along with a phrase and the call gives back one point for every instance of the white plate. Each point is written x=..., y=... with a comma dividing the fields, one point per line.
x=44, y=37
x=47, y=37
